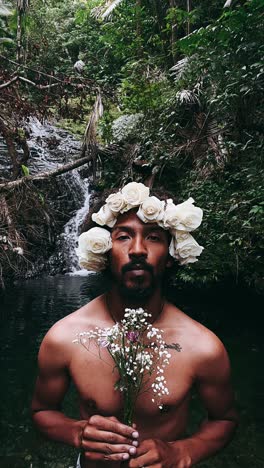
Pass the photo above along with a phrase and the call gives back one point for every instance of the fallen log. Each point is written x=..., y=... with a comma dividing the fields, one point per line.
x=47, y=174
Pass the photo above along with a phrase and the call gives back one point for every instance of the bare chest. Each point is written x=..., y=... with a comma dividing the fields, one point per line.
x=95, y=378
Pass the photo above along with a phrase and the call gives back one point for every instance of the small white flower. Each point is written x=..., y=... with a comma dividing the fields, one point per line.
x=18, y=250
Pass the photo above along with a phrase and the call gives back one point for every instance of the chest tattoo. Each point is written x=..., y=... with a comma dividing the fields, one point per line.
x=175, y=346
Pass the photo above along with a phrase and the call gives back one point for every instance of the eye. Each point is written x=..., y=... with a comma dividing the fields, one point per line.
x=154, y=237
x=122, y=237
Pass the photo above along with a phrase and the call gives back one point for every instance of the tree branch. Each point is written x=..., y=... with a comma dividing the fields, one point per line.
x=8, y=83
x=45, y=175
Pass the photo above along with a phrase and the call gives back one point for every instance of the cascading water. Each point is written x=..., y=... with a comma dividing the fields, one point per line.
x=77, y=188
x=67, y=197
x=71, y=231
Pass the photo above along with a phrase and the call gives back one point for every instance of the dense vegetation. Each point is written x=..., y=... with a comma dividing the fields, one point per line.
x=182, y=90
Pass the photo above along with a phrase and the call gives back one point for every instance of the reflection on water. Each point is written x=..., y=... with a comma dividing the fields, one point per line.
x=29, y=309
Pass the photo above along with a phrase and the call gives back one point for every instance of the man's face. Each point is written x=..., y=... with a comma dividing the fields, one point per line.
x=139, y=255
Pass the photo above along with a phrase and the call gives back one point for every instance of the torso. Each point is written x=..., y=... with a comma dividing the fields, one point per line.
x=94, y=377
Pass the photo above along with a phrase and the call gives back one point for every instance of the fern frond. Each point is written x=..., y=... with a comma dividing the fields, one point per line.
x=179, y=68
x=4, y=9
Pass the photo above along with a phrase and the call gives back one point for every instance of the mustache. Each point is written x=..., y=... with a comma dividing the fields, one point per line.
x=137, y=265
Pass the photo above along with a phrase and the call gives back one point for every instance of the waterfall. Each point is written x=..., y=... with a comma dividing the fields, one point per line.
x=71, y=231
x=66, y=197
x=51, y=147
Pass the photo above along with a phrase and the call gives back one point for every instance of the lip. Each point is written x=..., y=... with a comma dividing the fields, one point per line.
x=137, y=271
x=137, y=267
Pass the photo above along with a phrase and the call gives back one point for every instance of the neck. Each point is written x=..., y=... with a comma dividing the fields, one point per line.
x=116, y=304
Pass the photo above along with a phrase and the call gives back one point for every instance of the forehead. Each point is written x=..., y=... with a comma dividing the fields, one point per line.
x=131, y=220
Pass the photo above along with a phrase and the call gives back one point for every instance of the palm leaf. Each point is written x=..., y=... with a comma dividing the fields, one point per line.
x=90, y=132
x=104, y=11
x=227, y=4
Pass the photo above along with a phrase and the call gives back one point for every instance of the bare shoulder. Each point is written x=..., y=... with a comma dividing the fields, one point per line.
x=58, y=342
x=205, y=349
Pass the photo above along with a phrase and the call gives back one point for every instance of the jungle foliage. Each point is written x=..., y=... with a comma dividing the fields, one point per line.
x=182, y=88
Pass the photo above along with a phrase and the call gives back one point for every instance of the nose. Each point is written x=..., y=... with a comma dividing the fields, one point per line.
x=138, y=247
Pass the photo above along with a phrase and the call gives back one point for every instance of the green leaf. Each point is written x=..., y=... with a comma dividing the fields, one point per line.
x=25, y=170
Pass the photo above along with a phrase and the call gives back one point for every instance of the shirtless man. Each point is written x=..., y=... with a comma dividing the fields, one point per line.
x=138, y=257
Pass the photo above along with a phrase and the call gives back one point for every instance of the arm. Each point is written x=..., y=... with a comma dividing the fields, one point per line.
x=99, y=437
x=51, y=386
x=214, y=388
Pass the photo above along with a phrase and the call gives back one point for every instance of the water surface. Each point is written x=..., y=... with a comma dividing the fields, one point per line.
x=29, y=308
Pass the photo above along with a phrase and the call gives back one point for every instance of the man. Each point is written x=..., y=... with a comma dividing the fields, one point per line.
x=142, y=238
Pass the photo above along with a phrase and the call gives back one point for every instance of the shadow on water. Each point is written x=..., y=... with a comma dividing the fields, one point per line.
x=29, y=308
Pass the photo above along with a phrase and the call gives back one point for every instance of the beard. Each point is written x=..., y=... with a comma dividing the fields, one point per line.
x=138, y=289
x=137, y=292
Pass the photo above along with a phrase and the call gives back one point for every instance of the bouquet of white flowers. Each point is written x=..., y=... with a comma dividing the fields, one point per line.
x=138, y=350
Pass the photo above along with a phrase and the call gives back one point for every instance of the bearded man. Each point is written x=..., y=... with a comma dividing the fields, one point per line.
x=142, y=237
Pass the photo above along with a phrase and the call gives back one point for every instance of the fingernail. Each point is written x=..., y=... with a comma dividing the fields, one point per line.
x=135, y=434
x=125, y=456
x=135, y=443
x=133, y=450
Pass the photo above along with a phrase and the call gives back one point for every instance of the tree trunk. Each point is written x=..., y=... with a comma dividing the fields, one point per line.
x=188, y=25
x=139, y=28
x=19, y=35
x=173, y=35
x=9, y=139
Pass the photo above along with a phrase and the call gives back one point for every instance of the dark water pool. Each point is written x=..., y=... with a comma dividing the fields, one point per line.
x=29, y=309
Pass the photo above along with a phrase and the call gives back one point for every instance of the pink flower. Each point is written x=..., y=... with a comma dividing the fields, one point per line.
x=104, y=343
x=132, y=336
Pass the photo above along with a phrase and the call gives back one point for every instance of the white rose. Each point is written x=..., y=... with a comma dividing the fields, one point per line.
x=104, y=217
x=91, y=261
x=151, y=210
x=116, y=202
x=135, y=193
x=96, y=240
x=183, y=217
x=185, y=248
x=187, y=260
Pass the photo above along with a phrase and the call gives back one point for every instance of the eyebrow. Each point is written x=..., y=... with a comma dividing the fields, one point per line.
x=146, y=228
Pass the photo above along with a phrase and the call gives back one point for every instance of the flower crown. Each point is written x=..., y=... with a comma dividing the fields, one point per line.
x=179, y=219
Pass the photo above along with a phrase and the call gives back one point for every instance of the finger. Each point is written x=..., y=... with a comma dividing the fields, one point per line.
x=96, y=456
x=108, y=424
x=147, y=459
x=107, y=449
x=92, y=433
x=156, y=465
x=104, y=436
x=113, y=418
x=135, y=442
x=148, y=446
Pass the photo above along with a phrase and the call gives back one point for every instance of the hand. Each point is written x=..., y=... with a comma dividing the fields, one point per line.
x=159, y=454
x=105, y=438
